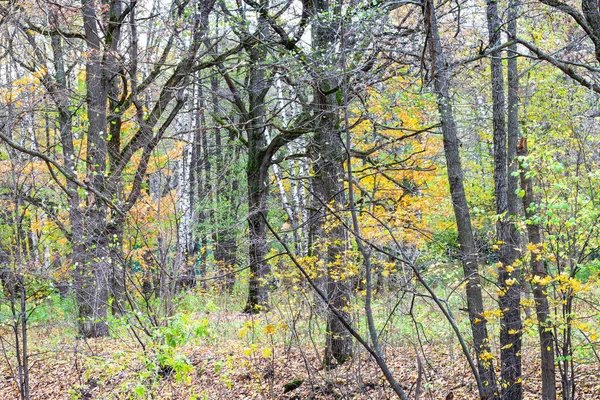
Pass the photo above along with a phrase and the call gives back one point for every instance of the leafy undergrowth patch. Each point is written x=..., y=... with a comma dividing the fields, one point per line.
x=193, y=362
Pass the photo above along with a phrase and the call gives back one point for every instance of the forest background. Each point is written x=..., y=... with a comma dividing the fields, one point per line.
x=210, y=199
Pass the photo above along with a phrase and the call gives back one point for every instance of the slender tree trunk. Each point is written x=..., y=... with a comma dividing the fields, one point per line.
x=203, y=181
x=68, y=153
x=115, y=228
x=208, y=217
x=506, y=209
x=538, y=270
x=117, y=271
x=291, y=207
x=186, y=223
x=468, y=249
x=25, y=389
x=195, y=196
x=380, y=283
x=303, y=168
x=513, y=318
x=316, y=235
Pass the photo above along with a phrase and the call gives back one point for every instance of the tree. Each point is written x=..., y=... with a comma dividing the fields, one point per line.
x=328, y=180
x=468, y=250
x=251, y=109
x=538, y=269
x=112, y=92
x=507, y=209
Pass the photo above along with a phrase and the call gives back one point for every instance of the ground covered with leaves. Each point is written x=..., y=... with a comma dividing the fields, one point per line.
x=230, y=355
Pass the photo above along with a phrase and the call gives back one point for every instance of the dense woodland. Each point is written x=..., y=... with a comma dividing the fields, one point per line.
x=301, y=199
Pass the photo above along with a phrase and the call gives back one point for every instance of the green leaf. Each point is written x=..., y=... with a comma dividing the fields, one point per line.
x=140, y=391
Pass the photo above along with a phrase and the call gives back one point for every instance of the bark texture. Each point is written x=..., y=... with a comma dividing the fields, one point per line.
x=538, y=272
x=329, y=185
x=506, y=209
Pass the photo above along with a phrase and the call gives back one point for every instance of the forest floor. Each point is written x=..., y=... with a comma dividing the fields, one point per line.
x=236, y=367
x=211, y=352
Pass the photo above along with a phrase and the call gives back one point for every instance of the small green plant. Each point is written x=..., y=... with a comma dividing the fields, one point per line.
x=165, y=358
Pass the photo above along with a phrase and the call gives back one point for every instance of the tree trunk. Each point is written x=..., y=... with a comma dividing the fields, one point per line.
x=203, y=178
x=329, y=188
x=115, y=188
x=468, y=249
x=65, y=117
x=93, y=274
x=258, y=292
x=256, y=173
x=538, y=270
x=94, y=280
x=506, y=209
x=97, y=206
x=290, y=207
x=329, y=171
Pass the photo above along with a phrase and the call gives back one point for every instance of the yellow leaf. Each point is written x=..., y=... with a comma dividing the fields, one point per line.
x=267, y=351
x=269, y=329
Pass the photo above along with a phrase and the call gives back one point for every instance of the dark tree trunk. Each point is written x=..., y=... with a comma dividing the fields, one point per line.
x=94, y=281
x=258, y=291
x=506, y=209
x=93, y=273
x=115, y=188
x=195, y=197
x=260, y=153
x=329, y=177
x=380, y=284
x=538, y=272
x=468, y=249
x=329, y=170
x=256, y=173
